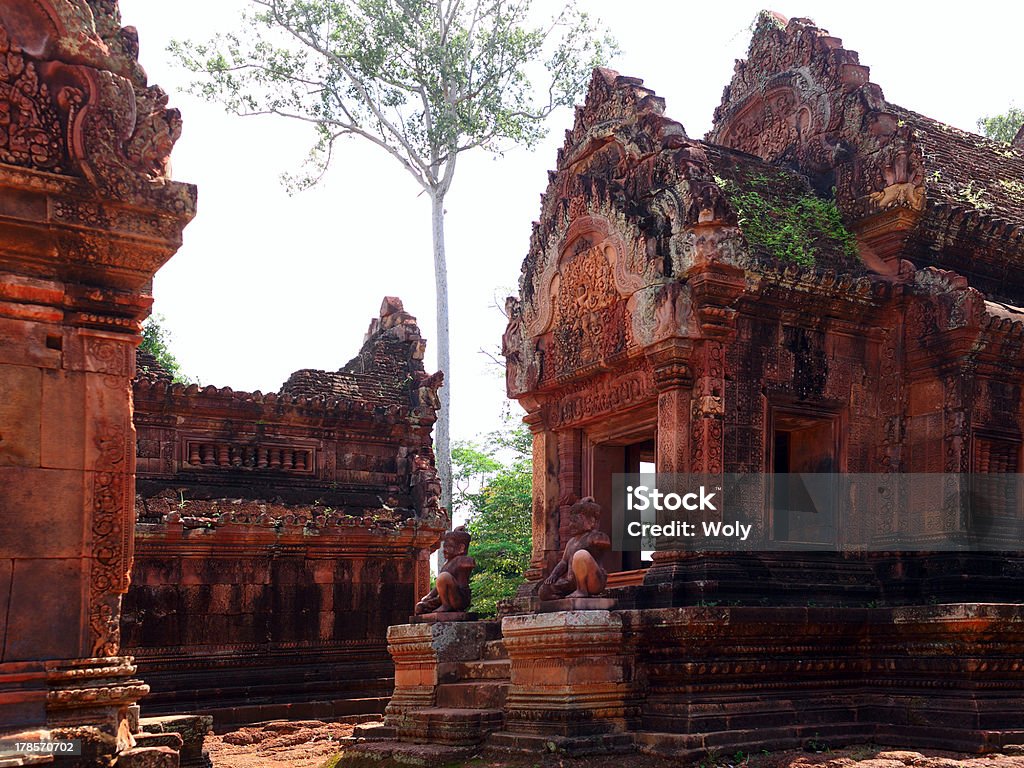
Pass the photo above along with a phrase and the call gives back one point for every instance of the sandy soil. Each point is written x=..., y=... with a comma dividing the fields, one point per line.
x=295, y=744
x=312, y=744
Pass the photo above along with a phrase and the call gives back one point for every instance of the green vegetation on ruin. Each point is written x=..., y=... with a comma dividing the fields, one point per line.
x=790, y=225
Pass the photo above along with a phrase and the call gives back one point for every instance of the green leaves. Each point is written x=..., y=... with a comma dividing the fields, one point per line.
x=1002, y=127
x=787, y=227
x=156, y=340
x=422, y=79
x=493, y=484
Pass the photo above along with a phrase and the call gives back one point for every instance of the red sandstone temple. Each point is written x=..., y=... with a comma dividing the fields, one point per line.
x=278, y=535
x=827, y=282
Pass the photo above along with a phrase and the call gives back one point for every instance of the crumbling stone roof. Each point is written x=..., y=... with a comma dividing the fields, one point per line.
x=147, y=365
x=910, y=186
x=784, y=199
x=386, y=380
x=387, y=369
x=967, y=170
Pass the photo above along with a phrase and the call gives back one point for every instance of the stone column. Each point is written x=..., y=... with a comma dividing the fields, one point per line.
x=545, y=504
x=673, y=380
x=89, y=215
x=570, y=479
x=699, y=409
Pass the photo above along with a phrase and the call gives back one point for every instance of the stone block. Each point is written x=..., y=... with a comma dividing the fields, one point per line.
x=42, y=513
x=62, y=437
x=171, y=740
x=191, y=728
x=45, y=601
x=577, y=604
x=435, y=618
x=21, y=392
x=488, y=694
x=23, y=343
x=147, y=757
x=572, y=673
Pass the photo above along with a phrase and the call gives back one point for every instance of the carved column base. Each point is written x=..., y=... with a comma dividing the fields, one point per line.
x=572, y=674
x=96, y=692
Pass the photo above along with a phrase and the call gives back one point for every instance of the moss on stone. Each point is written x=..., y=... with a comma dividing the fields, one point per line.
x=786, y=224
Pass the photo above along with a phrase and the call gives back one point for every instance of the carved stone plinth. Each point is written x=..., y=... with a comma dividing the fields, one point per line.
x=572, y=674
x=447, y=616
x=92, y=691
x=577, y=604
x=417, y=649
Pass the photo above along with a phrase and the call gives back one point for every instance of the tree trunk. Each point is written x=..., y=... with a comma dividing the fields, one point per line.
x=442, y=441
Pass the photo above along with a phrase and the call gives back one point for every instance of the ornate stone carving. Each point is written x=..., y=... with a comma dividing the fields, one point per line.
x=803, y=99
x=111, y=537
x=604, y=396
x=30, y=132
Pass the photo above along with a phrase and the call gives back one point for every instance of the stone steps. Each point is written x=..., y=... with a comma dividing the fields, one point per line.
x=450, y=726
x=480, y=694
x=494, y=650
x=695, y=746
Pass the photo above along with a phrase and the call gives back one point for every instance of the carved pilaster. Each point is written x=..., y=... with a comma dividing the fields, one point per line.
x=570, y=477
x=544, y=515
x=90, y=215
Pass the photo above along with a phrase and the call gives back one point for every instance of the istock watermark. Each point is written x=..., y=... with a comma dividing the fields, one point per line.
x=818, y=511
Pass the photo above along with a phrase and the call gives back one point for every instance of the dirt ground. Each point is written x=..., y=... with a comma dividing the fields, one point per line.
x=315, y=744
x=295, y=744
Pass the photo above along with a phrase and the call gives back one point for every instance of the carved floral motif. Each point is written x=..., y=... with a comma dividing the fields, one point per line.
x=30, y=132
x=110, y=536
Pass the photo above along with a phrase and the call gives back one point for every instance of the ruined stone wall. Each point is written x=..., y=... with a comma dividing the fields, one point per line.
x=280, y=534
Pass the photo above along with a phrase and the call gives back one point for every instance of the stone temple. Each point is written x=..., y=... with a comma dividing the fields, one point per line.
x=678, y=310
x=278, y=535
x=826, y=283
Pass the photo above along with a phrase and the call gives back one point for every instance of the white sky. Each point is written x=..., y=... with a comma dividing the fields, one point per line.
x=266, y=284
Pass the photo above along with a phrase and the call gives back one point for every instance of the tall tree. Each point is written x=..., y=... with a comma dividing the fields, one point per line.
x=422, y=80
x=1002, y=127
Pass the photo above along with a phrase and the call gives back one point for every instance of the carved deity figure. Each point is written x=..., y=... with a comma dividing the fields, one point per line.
x=451, y=591
x=579, y=573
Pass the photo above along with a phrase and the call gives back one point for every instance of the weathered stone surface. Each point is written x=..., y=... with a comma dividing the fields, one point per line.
x=572, y=673
x=39, y=607
x=89, y=215
x=191, y=730
x=577, y=604
x=433, y=618
x=35, y=535
x=292, y=522
x=20, y=413
x=147, y=757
